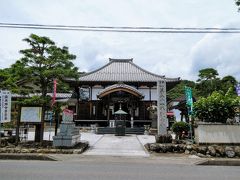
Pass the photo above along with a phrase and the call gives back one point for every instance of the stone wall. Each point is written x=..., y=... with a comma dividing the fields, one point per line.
x=206, y=133
x=45, y=148
x=203, y=151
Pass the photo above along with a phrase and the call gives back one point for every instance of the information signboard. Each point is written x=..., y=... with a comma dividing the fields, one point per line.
x=31, y=114
x=5, y=106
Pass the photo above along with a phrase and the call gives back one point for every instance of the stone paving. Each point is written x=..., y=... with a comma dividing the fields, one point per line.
x=110, y=145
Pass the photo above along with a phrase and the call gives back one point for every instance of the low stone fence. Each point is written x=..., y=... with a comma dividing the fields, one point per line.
x=32, y=147
x=203, y=151
x=209, y=133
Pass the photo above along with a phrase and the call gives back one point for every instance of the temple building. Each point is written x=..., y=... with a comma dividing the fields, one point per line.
x=118, y=85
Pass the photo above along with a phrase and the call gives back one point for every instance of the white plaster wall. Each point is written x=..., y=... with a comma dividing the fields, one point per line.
x=154, y=94
x=145, y=92
x=95, y=92
x=208, y=133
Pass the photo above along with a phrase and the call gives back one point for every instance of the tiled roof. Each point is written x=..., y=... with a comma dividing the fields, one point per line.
x=123, y=70
x=58, y=95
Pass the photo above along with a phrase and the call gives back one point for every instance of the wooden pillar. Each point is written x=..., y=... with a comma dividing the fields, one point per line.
x=181, y=116
x=144, y=111
x=78, y=102
x=108, y=112
x=96, y=110
x=150, y=95
x=18, y=124
x=90, y=109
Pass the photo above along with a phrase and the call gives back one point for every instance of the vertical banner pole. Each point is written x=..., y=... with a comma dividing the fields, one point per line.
x=53, y=102
x=189, y=103
x=50, y=130
x=238, y=93
x=0, y=117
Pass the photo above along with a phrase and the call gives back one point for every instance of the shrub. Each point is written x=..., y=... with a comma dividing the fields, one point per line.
x=217, y=107
x=9, y=125
x=180, y=128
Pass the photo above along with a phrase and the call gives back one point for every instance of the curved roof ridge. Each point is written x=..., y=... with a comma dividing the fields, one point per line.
x=96, y=70
x=123, y=70
x=112, y=60
x=147, y=71
x=161, y=76
x=121, y=60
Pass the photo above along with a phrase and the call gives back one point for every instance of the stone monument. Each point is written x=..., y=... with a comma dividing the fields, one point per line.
x=162, y=121
x=69, y=134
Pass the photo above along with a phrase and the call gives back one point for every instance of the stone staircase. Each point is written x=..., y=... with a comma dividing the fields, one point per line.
x=109, y=130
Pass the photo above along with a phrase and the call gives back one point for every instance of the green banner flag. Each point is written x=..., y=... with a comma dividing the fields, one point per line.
x=189, y=99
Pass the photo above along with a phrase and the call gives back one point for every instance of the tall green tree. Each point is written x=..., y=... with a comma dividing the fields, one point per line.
x=208, y=81
x=228, y=82
x=11, y=77
x=5, y=78
x=237, y=3
x=41, y=63
x=207, y=74
x=179, y=89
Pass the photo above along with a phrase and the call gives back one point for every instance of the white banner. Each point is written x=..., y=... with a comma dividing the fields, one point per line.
x=5, y=106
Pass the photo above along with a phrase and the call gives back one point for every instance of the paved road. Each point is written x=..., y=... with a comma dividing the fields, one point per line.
x=110, y=168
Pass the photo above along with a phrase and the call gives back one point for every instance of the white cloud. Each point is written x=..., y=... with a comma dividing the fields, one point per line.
x=219, y=51
x=172, y=55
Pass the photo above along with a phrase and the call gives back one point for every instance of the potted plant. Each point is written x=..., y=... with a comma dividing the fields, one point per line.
x=180, y=129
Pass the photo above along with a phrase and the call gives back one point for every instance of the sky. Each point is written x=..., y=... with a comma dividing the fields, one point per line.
x=172, y=55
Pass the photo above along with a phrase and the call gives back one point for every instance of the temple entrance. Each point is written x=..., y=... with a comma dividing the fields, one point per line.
x=128, y=104
x=124, y=107
x=121, y=96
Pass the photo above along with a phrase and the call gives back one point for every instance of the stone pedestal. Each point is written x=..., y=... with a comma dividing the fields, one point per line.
x=112, y=123
x=68, y=137
x=154, y=121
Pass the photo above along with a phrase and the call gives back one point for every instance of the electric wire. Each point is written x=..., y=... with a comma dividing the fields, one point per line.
x=125, y=29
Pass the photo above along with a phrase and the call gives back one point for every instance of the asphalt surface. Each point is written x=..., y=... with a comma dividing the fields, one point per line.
x=113, y=158
x=115, y=168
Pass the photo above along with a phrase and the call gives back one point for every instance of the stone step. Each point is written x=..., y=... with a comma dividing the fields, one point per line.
x=108, y=130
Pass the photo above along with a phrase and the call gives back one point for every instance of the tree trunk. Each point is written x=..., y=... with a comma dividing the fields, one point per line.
x=56, y=121
x=18, y=125
x=42, y=123
x=37, y=133
x=44, y=94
